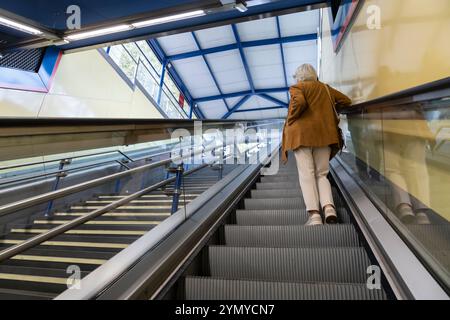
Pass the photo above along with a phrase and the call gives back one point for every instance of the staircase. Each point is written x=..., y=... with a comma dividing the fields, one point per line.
x=269, y=255
x=41, y=272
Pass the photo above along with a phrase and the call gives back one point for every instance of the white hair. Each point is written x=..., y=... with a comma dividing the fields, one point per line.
x=305, y=72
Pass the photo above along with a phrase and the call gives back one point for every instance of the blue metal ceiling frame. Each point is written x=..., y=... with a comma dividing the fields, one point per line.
x=239, y=45
x=154, y=44
x=210, y=71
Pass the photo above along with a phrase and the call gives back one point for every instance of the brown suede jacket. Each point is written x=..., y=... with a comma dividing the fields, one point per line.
x=311, y=120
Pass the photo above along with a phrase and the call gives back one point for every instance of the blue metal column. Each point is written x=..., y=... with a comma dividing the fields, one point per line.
x=177, y=187
x=161, y=82
x=59, y=175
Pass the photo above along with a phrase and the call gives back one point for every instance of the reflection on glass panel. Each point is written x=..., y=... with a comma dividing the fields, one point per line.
x=402, y=155
x=124, y=61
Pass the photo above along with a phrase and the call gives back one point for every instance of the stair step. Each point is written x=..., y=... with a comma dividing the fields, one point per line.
x=82, y=232
x=278, y=203
x=69, y=245
x=198, y=288
x=280, y=217
x=50, y=281
x=291, y=236
x=11, y=294
x=344, y=265
x=88, y=226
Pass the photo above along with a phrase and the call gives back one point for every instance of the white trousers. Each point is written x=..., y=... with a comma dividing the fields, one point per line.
x=313, y=165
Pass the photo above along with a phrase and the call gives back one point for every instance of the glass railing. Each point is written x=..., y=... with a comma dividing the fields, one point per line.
x=400, y=151
x=118, y=207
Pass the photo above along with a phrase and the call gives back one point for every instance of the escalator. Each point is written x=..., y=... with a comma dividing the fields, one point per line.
x=268, y=254
x=41, y=272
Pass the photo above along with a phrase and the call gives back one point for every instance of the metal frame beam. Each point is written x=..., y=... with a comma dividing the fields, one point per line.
x=243, y=58
x=260, y=109
x=283, y=60
x=210, y=70
x=154, y=44
x=274, y=100
x=245, y=44
x=237, y=106
x=241, y=93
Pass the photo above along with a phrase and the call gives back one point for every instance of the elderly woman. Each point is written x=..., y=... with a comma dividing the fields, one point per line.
x=311, y=132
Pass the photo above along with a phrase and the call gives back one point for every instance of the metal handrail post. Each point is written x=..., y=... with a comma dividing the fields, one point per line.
x=60, y=175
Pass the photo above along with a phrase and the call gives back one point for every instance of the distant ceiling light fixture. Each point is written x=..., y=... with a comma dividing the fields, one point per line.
x=19, y=26
x=175, y=17
x=99, y=32
x=241, y=6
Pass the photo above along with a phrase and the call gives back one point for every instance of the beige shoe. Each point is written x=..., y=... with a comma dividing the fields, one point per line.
x=314, y=220
x=330, y=215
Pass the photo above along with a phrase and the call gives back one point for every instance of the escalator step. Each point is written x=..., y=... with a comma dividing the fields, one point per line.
x=50, y=281
x=278, y=203
x=279, y=217
x=278, y=185
x=344, y=265
x=280, y=178
x=291, y=236
x=221, y=289
x=277, y=193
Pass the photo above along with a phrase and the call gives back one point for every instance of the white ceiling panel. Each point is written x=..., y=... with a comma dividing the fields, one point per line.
x=282, y=96
x=213, y=109
x=229, y=71
x=299, y=23
x=195, y=68
x=298, y=53
x=215, y=37
x=178, y=43
x=258, y=29
x=266, y=66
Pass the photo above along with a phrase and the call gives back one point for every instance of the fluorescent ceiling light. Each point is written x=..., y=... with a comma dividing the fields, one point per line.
x=99, y=32
x=175, y=17
x=19, y=26
x=241, y=7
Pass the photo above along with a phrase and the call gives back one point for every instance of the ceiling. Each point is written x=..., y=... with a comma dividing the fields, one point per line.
x=51, y=17
x=243, y=70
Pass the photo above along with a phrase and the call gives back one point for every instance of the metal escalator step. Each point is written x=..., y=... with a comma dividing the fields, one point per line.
x=278, y=203
x=198, y=288
x=291, y=236
x=280, y=178
x=280, y=217
x=278, y=185
x=277, y=193
x=283, y=203
x=345, y=265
